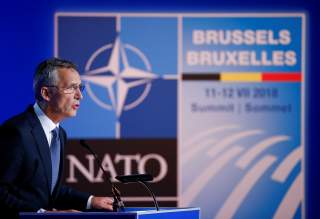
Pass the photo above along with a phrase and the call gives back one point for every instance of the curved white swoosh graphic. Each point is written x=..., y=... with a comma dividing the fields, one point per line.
x=245, y=160
x=212, y=169
x=188, y=154
x=240, y=192
x=201, y=135
x=230, y=139
x=286, y=166
x=291, y=201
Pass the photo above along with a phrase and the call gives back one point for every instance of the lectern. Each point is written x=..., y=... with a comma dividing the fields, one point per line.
x=128, y=213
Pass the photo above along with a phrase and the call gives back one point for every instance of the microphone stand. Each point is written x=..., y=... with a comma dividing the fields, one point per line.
x=117, y=203
x=151, y=193
x=142, y=179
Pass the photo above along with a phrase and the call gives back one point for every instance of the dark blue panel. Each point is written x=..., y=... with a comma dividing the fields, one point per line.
x=156, y=117
x=79, y=37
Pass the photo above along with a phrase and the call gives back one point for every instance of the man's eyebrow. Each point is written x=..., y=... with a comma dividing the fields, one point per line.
x=74, y=83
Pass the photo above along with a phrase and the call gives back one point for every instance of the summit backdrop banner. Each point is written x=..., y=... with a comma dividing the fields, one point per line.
x=241, y=123
x=211, y=104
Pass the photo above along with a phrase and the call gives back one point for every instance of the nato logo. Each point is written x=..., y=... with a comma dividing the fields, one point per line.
x=129, y=68
x=118, y=83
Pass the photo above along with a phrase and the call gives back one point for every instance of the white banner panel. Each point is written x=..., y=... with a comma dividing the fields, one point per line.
x=241, y=125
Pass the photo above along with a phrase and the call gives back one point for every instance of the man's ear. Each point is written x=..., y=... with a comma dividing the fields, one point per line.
x=45, y=93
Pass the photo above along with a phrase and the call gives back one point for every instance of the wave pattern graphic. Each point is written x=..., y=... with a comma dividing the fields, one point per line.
x=189, y=154
x=207, y=174
x=287, y=165
x=199, y=137
x=243, y=188
x=291, y=200
x=259, y=148
x=293, y=197
x=220, y=147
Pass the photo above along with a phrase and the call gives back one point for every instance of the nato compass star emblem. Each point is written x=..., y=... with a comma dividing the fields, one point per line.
x=118, y=76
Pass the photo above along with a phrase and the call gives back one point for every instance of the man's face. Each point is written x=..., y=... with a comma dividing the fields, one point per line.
x=65, y=101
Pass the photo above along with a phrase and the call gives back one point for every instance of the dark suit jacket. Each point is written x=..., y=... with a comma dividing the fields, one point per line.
x=25, y=168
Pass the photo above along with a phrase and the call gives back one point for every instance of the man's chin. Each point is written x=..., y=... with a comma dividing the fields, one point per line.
x=73, y=113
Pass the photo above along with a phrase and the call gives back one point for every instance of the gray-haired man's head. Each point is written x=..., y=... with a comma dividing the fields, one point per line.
x=46, y=74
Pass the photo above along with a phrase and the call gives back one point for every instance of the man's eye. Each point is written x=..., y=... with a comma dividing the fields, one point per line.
x=72, y=87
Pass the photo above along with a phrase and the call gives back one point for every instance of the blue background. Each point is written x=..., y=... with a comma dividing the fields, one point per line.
x=26, y=38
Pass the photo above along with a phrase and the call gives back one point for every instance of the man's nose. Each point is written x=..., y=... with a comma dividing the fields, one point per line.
x=78, y=95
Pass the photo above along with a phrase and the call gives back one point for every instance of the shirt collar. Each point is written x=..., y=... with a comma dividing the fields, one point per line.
x=47, y=124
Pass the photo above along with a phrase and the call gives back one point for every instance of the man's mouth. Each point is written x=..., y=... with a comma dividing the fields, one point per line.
x=75, y=106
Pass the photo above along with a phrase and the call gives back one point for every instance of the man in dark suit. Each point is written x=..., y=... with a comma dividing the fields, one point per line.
x=32, y=146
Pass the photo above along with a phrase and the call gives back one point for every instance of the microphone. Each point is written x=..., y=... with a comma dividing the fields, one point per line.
x=117, y=203
x=142, y=179
x=135, y=178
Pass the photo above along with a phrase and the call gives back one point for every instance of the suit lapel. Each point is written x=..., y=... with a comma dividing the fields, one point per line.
x=42, y=144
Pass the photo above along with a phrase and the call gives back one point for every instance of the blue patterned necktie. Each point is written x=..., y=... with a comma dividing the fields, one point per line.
x=55, y=156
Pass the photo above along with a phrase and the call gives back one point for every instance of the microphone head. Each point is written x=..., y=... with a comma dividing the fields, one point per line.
x=84, y=144
x=135, y=178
